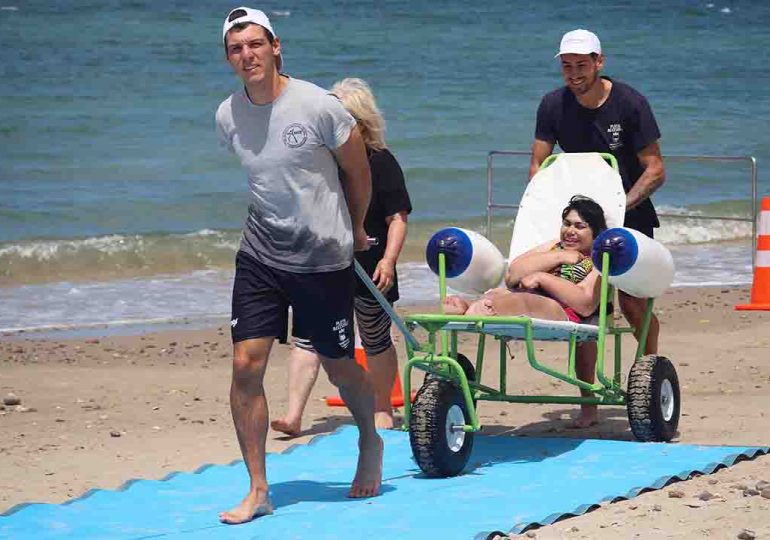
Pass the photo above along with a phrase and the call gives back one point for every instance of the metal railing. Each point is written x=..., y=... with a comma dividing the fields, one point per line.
x=492, y=205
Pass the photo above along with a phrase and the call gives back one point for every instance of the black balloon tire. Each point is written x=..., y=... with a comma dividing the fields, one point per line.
x=643, y=400
x=427, y=429
x=470, y=371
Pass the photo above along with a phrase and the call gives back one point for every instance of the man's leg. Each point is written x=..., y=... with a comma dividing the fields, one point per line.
x=585, y=367
x=354, y=387
x=323, y=310
x=249, y=409
x=382, y=371
x=303, y=372
x=633, y=309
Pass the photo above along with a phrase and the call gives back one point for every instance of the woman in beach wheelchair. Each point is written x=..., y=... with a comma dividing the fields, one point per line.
x=556, y=280
x=559, y=291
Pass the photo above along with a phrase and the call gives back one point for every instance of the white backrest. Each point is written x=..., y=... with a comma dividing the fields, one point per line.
x=539, y=217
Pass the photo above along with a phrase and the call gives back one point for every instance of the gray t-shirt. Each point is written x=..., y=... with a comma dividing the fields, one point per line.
x=298, y=218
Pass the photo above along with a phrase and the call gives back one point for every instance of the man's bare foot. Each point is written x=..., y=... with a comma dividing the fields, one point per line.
x=292, y=429
x=383, y=419
x=454, y=305
x=589, y=416
x=369, y=471
x=254, y=505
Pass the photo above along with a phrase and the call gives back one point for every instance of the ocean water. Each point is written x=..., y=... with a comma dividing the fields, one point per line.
x=117, y=203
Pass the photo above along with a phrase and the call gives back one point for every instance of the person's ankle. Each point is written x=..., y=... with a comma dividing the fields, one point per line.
x=259, y=492
x=368, y=438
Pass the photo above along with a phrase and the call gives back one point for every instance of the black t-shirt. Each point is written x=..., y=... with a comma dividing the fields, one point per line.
x=389, y=196
x=622, y=126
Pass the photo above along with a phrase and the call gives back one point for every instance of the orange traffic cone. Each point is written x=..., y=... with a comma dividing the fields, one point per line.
x=396, y=393
x=760, y=289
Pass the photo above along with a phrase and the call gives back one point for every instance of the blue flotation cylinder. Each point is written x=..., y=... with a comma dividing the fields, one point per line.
x=639, y=265
x=473, y=264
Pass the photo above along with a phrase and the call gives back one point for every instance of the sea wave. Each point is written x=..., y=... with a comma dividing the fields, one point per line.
x=203, y=297
x=701, y=230
x=679, y=226
x=115, y=256
x=145, y=301
x=121, y=256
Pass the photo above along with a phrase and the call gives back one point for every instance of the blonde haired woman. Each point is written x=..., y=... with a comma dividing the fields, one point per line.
x=386, y=220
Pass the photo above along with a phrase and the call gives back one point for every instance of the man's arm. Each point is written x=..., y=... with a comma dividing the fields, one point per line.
x=357, y=183
x=540, y=151
x=652, y=178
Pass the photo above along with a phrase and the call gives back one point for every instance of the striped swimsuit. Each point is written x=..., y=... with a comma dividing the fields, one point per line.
x=574, y=273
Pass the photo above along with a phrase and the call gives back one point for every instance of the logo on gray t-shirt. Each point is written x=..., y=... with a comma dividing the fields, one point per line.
x=294, y=135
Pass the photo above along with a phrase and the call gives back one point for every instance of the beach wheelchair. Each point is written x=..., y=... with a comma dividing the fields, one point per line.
x=443, y=418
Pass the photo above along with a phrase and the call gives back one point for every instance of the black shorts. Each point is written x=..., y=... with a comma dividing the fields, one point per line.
x=321, y=302
x=373, y=327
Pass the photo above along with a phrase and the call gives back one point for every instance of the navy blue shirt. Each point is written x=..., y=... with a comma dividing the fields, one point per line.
x=621, y=126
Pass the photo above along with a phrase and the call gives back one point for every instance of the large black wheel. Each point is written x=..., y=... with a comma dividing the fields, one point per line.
x=653, y=399
x=470, y=371
x=439, y=447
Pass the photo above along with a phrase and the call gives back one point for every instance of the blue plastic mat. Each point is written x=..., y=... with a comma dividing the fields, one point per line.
x=512, y=483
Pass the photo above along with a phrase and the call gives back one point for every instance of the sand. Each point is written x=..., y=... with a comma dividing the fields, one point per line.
x=96, y=412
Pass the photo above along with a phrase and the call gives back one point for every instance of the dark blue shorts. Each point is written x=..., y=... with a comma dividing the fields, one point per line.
x=321, y=303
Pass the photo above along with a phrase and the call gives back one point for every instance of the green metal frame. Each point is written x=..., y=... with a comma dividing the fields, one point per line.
x=439, y=355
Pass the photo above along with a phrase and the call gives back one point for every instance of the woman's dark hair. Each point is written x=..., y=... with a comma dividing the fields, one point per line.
x=589, y=211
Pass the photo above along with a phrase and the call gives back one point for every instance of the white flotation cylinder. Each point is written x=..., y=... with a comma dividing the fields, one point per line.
x=639, y=265
x=473, y=264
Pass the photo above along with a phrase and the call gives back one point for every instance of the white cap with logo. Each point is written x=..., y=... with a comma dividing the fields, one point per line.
x=579, y=42
x=248, y=15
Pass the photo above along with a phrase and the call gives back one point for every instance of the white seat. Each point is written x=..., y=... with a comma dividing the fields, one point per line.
x=543, y=330
x=539, y=217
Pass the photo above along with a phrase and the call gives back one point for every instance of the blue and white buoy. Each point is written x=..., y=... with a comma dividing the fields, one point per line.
x=473, y=264
x=639, y=265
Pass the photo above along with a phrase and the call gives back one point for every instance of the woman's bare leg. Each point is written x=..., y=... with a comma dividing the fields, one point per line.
x=505, y=302
x=303, y=372
x=382, y=372
x=585, y=366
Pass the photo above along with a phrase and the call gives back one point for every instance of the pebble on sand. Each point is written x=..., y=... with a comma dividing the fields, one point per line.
x=11, y=399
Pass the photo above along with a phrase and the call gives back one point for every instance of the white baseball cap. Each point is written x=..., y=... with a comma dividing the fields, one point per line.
x=579, y=42
x=248, y=15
